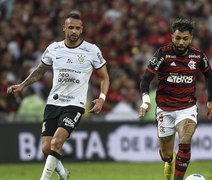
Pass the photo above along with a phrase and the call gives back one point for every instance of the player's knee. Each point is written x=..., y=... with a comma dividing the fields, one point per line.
x=166, y=156
x=56, y=144
x=46, y=149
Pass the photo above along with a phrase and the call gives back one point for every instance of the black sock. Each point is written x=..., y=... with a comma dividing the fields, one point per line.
x=55, y=154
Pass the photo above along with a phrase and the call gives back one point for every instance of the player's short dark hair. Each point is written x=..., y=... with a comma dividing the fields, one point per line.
x=183, y=24
x=73, y=15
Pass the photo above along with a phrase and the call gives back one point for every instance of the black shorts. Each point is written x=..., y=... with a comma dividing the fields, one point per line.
x=67, y=117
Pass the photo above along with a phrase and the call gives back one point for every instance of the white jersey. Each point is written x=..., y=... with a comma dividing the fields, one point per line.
x=72, y=68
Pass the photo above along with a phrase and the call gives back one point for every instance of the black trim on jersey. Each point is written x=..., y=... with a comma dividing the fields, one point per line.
x=74, y=46
x=101, y=66
x=45, y=63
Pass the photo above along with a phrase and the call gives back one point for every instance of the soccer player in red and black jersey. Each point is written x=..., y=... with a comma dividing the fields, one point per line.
x=177, y=66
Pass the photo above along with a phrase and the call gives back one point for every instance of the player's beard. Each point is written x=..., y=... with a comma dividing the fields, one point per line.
x=73, y=38
x=180, y=50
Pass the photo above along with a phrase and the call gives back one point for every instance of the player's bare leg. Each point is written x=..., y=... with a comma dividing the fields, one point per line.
x=54, y=156
x=46, y=145
x=46, y=148
x=185, y=129
x=166, y=153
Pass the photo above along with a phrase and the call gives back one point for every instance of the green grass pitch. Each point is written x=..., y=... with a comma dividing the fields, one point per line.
x=101, y=171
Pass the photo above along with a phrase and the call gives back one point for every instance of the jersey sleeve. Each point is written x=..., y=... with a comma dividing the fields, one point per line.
x=207, y=71
x=47, y=57
x=204, y=65
x=155, y=62
x=98, y=60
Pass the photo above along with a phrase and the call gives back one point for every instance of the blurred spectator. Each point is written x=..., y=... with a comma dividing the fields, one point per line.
x=126, y=109
x=31, y=107
x=8, y=103
x=6, y=8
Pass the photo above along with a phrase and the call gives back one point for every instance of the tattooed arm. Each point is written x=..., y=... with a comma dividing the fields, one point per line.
x=33, y=77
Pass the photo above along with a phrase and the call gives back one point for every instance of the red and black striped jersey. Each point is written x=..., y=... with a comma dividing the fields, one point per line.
x=177, y=76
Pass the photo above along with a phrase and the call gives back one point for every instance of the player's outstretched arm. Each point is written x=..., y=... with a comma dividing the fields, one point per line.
x=33, y=77
x=104, y=86
x=144, y=86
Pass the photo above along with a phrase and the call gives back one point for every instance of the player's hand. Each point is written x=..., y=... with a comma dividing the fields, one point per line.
x=209, y=105
x=145, y=106
x=14, y=88
x=98, y=104
x=144, y=109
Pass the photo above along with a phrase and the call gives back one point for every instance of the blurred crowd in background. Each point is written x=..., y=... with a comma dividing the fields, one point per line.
x=127, y=31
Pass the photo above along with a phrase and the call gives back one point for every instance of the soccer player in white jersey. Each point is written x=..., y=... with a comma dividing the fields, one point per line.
x=72, y=61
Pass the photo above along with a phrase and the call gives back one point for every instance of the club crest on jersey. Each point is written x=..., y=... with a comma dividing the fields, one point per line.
x=192, y=64
x=81, y=58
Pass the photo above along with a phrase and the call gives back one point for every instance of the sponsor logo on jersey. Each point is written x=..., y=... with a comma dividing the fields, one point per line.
x=192, y=64
x=55, y=97
x=69, y=61
x=101, y=59
x=158, y=63
x=58, y=57
x=58, y=47
x=154, y=61
x=84, y=49
x=183, y=164
x=170, y=56
x=69, y=70
x=173, y=64
x=68, y=122
x=175, y=78
x=205, y=61
x=67, y=79
x=66, y=98
x=194, y=56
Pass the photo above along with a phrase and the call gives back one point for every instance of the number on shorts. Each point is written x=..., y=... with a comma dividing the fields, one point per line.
x=43, y=127
x=77, y=117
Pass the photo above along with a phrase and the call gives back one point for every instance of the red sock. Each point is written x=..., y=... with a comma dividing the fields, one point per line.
x=182, y=160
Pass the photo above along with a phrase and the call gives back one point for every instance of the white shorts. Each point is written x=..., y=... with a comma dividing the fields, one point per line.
x=167, y=120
